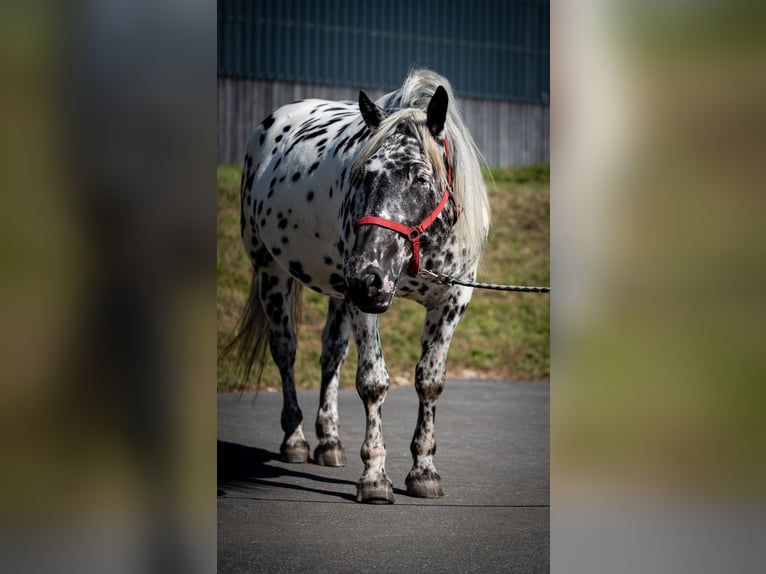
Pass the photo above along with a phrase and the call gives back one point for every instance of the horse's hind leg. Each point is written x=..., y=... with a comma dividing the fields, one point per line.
x=329, y=451
x=276, y=289
x=441, y=320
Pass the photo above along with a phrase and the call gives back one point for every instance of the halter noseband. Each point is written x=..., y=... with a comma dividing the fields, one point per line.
x=414, y=233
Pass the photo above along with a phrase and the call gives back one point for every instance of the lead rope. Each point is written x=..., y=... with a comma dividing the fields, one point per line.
x=447, y=280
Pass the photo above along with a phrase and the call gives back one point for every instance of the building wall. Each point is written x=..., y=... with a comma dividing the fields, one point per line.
x=508, y=133
x=495, y=53
x=489, y=49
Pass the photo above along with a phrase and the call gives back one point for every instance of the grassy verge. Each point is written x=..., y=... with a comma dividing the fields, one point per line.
x=502, y=335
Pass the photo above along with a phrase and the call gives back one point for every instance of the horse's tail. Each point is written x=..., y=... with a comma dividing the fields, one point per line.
x=251, y=342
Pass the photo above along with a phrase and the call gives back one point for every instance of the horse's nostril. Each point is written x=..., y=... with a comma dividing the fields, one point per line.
x=366, y=288
x=374, y=277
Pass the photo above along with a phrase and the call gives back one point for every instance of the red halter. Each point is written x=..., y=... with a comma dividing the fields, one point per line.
x=414, y=233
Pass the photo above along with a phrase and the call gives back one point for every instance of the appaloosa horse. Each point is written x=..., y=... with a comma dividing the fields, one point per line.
x=356, y=202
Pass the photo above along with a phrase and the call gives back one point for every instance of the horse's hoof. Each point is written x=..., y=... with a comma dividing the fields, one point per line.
x=330, y=455
x=425, y=487
x=375, y=492
x=295, y=453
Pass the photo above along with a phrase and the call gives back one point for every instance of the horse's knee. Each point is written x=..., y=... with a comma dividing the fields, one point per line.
x=372, y=392
x=430, y=393
x=371, y=381
x=429, y=389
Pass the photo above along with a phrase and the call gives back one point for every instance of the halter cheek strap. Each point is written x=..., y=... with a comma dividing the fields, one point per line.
x=414, y=233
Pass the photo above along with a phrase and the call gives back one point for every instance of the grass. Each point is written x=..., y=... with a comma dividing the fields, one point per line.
x=501, y=336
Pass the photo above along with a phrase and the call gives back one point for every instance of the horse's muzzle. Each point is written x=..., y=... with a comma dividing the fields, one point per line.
x=370, y=290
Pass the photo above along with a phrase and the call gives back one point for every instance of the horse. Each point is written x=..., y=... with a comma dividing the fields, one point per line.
x=359, y=202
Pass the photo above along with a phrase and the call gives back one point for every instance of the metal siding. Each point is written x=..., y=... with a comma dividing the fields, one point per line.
x=247, y=18
x=351, y=43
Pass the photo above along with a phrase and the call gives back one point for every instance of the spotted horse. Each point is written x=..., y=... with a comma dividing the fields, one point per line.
x=355, y=201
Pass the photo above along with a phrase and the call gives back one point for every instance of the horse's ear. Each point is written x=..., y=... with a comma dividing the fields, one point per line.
x=371, y=113
x=437, y=111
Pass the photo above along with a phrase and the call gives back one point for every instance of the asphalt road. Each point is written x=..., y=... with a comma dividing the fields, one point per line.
x=493, y=457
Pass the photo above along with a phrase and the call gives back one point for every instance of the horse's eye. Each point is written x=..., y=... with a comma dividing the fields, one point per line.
x=423, y=178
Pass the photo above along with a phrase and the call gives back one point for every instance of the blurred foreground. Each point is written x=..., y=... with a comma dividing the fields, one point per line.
x=108, y=291
x=657, y=426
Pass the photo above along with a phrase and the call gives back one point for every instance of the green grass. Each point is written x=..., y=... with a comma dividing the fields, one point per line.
x=502, y=335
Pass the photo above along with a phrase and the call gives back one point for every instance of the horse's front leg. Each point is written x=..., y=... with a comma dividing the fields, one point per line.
x=441, y=320
x=372, y=384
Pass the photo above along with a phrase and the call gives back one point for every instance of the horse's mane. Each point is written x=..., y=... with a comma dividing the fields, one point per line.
x=408, y=104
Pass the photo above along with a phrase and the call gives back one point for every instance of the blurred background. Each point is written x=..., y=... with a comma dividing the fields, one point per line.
x=108, y=154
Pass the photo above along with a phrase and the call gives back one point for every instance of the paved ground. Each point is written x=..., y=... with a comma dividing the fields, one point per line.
x=492, y=455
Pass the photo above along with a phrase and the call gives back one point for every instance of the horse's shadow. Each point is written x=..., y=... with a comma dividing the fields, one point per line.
x=242, y=467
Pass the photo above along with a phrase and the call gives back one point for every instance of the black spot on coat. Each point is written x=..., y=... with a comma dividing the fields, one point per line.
x=268, y=122
x=296, y=270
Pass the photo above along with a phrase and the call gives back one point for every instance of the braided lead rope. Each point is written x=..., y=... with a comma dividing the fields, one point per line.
x=446, y=280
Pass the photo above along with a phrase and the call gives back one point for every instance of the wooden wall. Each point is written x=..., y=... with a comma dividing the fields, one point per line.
x=507, y=133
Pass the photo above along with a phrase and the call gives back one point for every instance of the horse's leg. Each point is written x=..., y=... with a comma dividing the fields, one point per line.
x=329, y=451
x=372, y=385
x=441, y=321
x=276, y=289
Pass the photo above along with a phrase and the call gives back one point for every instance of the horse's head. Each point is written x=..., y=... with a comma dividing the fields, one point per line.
x=398, y=183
